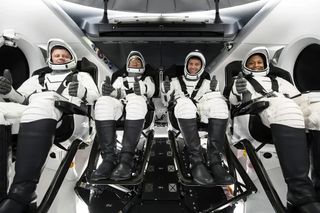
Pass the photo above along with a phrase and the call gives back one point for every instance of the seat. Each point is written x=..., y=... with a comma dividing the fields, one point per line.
x=142, y=152
x=248, y=132
x=74, y=132
x=242, y=189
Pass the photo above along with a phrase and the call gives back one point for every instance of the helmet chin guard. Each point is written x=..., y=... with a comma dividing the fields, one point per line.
x=198, y=55
x=264, y=53
x=135, y=71
x=61, y=67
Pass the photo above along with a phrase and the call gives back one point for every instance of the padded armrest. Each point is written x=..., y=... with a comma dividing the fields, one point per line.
x=70, y=108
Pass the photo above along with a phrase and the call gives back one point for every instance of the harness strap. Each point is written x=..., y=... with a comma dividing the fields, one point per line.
x=62, y=86
x=259, y=89
x=184, y=87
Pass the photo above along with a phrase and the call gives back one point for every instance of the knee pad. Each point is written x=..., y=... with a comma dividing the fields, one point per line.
x=108, y=108
x=11, y=113
x=41, y=106
x=215, y=108
x=136, y=107
x=185, y=109
x=313, y=121
x=283, y=111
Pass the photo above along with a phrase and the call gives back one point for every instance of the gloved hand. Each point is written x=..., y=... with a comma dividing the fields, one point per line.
x=213, y=83
x=241, y=84
x=107, y=88
x=75, y=88
x=5, y=82
x=139, y=88
x=166, y=84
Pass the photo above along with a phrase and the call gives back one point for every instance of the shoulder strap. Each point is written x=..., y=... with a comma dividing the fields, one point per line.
x=65, y=81
x=184, y=87
x=196, y=89
x=62, y=86
x=256, y=85
x=274, y=83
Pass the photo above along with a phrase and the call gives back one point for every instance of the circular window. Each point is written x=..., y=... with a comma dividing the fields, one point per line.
x=306, y=71
x=14, y=60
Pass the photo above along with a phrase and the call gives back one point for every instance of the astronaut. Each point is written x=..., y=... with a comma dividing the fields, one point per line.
x=286, y=121
x=194, y=94
x=128, y=93
x=41, y=118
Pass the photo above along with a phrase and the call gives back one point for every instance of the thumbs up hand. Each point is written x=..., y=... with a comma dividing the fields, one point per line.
x=139, y=87
x=241, y=84
x=5, y=82
x=76, y=89
x=213, y=83
x=107, y=88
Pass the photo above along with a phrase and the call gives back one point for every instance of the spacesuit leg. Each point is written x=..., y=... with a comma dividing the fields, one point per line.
x=107, y=111
x=185, y=112
x=215, y=108
x=291, y=147
x=5, y=140
x=216, y=140
x=10, y=113
x=136, y=110
x=289, y=137
x=34, y=142
x=315, y=150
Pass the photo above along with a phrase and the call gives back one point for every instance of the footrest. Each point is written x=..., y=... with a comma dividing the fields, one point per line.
x=181, y=157
x=139, y=168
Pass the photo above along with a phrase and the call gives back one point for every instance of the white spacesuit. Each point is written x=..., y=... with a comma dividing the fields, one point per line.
x=194, y=94
x=128, y=93
x=286, y=121
x=40, y=118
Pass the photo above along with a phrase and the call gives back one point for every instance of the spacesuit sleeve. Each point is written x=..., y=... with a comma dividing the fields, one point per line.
x=150, y=86
x=235, y=98
x=21, y=95
x=92, y=91
x=286, y=88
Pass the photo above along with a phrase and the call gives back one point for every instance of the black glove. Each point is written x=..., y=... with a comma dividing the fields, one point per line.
x=241, y=84
x=5, y=82
x=213, y=83
x=75, y=88
x=136, y=86
x=166, y=84
x=107, y=88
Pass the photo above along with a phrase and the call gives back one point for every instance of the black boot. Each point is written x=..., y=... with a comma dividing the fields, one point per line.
x=106, y=132
x=131, y=137
x=315, y=150
x=292, y=150
x=5, y=142
x=189, y=131
x=34, y=142
x=216, y=140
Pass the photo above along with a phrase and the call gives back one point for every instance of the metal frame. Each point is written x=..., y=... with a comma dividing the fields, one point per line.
x=234, y=165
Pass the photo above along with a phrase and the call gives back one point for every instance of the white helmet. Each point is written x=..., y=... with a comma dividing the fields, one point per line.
x=137, y=55
x=264, y=53
x=194, y=54
x=60, y=43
